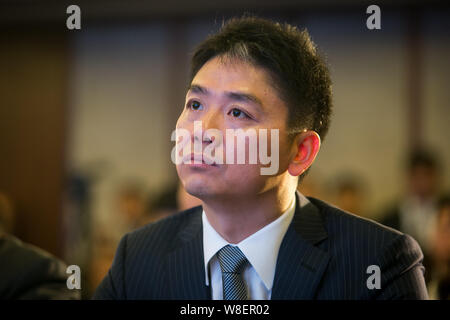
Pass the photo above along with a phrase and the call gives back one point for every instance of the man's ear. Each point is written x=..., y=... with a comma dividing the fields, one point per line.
x=306, y=146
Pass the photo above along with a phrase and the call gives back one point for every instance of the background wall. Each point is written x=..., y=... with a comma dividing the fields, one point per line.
x=33, y=91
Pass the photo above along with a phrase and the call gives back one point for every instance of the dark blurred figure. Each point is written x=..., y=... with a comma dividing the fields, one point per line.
x=439, y=286
x=415, y=214
x=311, y=185
x=161, y=206
x=131, y=204
x=7, y=218
x=348, y=193
x=27, y=272
x=168, y=202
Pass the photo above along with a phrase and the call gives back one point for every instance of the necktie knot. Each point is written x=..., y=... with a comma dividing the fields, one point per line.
x=232, y=259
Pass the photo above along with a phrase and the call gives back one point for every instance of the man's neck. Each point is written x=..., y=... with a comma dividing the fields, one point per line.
x=238, y=218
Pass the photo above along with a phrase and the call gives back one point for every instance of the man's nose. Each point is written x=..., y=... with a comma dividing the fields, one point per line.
x=209, y=120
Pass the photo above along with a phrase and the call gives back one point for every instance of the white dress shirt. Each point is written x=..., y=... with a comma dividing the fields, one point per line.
x=261, y=250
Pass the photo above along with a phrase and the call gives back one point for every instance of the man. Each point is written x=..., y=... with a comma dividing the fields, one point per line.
x=415, y=212
x=254, y=237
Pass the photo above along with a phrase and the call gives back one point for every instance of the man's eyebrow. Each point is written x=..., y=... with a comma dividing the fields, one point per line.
x=195, y=88
x=236, y=96
x=244, y=97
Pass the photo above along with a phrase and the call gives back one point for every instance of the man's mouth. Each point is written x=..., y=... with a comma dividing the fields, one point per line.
x=199, y=160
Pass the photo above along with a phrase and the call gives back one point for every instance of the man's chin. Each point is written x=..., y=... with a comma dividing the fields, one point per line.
x=199, y=188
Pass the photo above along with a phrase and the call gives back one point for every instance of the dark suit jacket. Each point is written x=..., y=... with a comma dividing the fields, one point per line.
x=324, y=255
x=27, y=272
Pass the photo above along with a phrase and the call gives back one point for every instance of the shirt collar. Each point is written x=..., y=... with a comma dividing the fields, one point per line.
x=269, y=238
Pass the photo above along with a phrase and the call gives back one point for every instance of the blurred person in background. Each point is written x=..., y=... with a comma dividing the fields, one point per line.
x=7, y=218
x=169, y=201
x=130, y=202
x=439, y=286
x=311, y=185
x=160, y=206
x=28, y=272
x=415, y=213
x=348, y=193
x=127, y=210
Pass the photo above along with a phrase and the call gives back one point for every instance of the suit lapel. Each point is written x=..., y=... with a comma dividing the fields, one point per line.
x=300, y=264
x=185, y=268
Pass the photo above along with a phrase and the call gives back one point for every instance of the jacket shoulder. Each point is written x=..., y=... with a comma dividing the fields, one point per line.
x=349, y=229
x=356, y=243
x=332, y=214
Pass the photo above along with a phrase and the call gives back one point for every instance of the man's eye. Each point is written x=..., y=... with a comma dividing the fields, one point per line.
x=238, y=114
x=195, y=105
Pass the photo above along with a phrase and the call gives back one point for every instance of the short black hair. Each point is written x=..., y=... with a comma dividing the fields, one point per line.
x=421, y=157
x=442, y=204
x=299, y=74
x=443, y=201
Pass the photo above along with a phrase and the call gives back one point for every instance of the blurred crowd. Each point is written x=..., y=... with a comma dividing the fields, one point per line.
x=422, y=211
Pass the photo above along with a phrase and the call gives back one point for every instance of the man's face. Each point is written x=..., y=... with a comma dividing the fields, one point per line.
x=225, y=95
x=423, y=181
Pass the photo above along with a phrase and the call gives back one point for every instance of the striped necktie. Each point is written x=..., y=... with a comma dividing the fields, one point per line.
x=232, y=262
